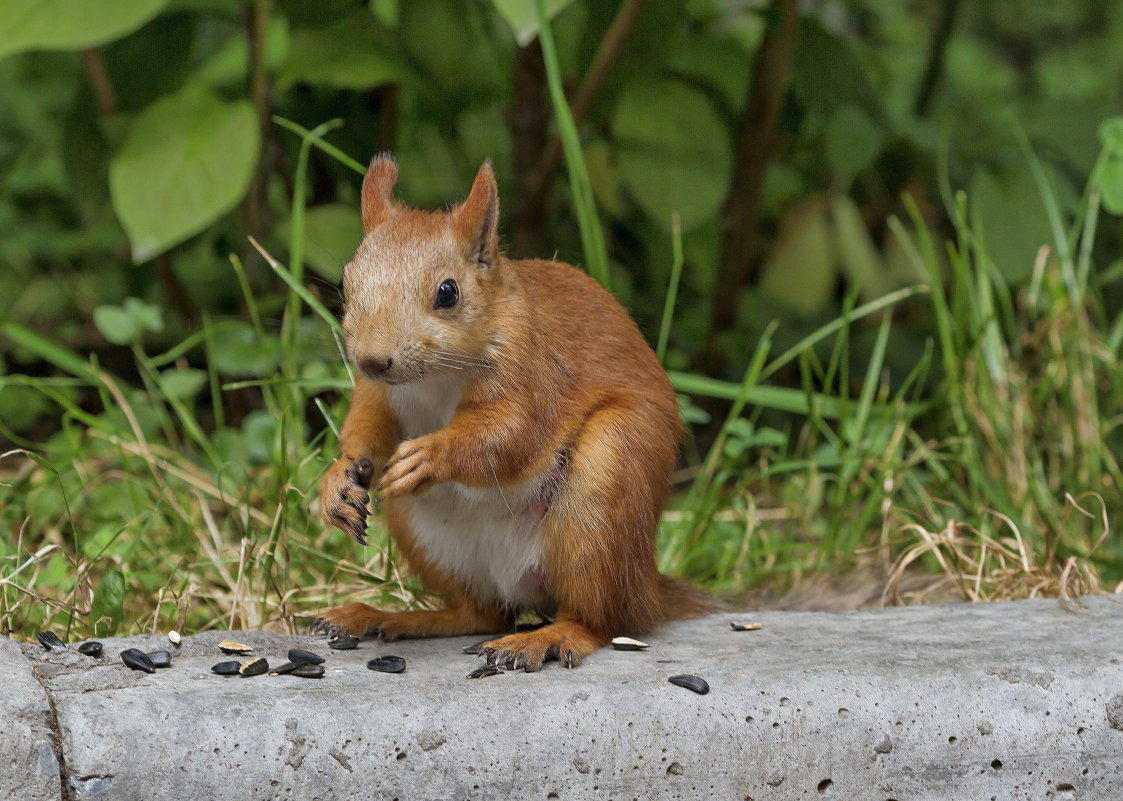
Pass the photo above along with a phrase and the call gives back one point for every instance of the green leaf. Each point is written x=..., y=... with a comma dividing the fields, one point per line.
x=349, y=53
x=853, y=141
x=800, y=272
x=1111, y=134
x=230, y=63
x=70, y=24
x=522, y=19
x=107, y=608
x=1111, y=184
x=186, y=160
x=259, y=430
x=182, y=384
x=237, y=350
x=675, y=153
x=124, y=324
x=332, y=232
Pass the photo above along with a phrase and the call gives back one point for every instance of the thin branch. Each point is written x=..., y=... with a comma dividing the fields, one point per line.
x=256, y=204
x=936, y=53
x=603, y=62
x=756, y=139
x=98, y=76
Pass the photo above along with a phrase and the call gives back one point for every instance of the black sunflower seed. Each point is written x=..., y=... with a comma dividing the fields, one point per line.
x=49, y=640
x=254, y=667
x=226, y=668
x=91, y=648
x=231, y=647
x=693, y=683
x=309, y=671
x=288, y=667
x=138, y=660
x=483, y=671
x=302, y=657
x=160, y=659
x=387, y=664
x=343, y=642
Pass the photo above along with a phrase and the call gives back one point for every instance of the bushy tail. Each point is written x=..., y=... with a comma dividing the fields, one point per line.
x=681, y=600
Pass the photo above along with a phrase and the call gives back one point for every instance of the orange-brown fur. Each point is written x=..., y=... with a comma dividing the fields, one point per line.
x=557, y=383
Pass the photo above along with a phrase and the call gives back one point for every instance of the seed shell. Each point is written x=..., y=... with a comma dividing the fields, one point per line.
x=231, y=647
x=288, y=667
x=744, y=626
x=138, y=660
x=309, y=671
x=226, y=668
x=254, y=667
x=49, y=640
x=628, y=644
x=175, y=637
x=343, y=642
x=387, y=664
x=693, y=683
x=160, y=659
x=483, y=671
x=91, y=648
x=302, y=657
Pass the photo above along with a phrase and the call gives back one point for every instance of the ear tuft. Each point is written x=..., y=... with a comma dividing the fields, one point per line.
x=378, y=203
x=476, y=220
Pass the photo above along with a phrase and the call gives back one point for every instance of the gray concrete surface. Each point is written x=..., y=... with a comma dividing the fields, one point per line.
x=1000, y=701
x=29, y=767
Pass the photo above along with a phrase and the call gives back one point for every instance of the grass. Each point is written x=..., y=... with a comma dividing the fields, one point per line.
x=989, y=471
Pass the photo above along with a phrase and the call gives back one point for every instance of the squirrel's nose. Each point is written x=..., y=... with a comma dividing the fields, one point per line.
x=375, y=366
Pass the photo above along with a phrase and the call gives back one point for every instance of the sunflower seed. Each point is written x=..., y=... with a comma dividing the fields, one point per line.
x=175, y=637
x=387, y=664
x=302, y=657
x=343, y=642
x=254, y=667
x=288, y=667
x=91, y=648
x=744, y=626
x=160, y=659
x=138, y=660
x=231, y=647
x=309, y=671
x=225, y=668
x=628, y=644
x=49, y=640
x=483, y=671
x=693, y=683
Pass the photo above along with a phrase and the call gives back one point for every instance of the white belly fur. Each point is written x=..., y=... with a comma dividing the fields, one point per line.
x=489, y=538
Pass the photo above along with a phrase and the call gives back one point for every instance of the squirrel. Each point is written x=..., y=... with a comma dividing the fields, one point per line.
x=521, y=430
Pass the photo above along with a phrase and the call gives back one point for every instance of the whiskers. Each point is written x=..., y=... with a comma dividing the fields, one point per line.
x=457, y=360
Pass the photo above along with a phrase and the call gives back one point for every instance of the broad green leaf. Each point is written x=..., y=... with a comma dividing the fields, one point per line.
x=187, y=159
x=1111, y=184
x=1012, y=239
x=857, y=254
x=348, y=53
x=523, y=20
x=1111, y=134
x=230, y=63
x=800, y=271
x=237, y=350
x=107, y=608
x=124, y=324
x=70, y=24
x=675, y=154
x=853, y=141
x=259, y=430
x=182, y=384
x=332, y=233
x=826, y=75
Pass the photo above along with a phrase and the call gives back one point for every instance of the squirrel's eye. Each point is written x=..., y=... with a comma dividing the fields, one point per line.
x=447, y=294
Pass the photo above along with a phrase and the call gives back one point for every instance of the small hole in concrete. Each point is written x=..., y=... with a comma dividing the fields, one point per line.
x=401, y=756
x=844, y=712
x=996, y=764
x=553, y=795
x=1065, y=788
x=1084, y=772
x=785, y=702
x=825, y=787
x=775, y=725
x=952, y=740
x=1079, y=733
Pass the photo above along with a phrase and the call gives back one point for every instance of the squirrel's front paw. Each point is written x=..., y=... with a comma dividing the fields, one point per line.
x=344, y=496
x=413, y=468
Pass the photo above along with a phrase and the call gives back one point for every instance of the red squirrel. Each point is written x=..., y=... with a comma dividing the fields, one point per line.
x=518, y=428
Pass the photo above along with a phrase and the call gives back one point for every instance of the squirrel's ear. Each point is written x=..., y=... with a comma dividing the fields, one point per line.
x=378, y=188
x=476, y=220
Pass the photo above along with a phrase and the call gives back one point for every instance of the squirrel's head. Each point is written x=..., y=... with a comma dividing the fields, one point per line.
x=418, y=294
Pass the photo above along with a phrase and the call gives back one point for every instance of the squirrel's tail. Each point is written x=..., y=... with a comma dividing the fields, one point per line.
x=681, y=600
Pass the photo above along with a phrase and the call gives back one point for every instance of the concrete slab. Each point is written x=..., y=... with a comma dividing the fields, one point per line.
x=1002, y=701
x=30, y=766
